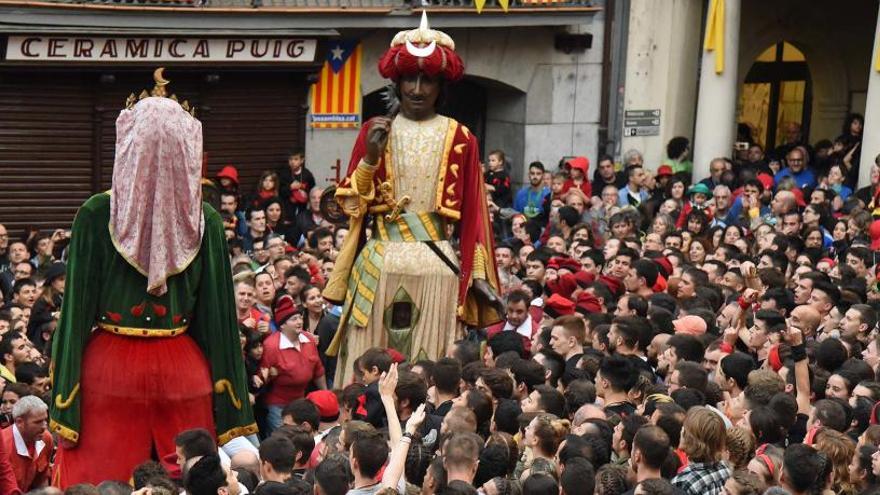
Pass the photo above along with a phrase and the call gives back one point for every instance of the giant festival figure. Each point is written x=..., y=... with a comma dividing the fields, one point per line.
x=147, y=344
x=418, y=175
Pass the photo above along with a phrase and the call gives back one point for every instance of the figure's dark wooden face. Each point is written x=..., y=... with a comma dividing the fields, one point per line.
x=418, y=96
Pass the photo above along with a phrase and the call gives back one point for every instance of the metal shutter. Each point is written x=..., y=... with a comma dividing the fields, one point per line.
x=46, y=149
x=249, y=120
x=253, y=122
x=58, y=132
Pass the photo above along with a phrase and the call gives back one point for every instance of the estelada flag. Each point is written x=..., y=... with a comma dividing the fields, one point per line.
x=336, y=97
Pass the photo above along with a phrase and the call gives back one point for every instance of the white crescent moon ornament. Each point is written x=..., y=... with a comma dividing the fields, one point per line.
x=421, y=52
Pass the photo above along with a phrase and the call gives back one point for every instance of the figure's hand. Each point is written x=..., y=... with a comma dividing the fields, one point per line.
x=415, y=420
x=388, y=382
x=273, y=372
x=295, y=185
x=486, y=294
x=795, y=336
x=377, y=139
x=351, y=206
x=250, y=322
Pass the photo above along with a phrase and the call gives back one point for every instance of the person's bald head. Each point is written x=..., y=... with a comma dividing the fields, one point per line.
x=784, y=202
x=806, y=318
x=585, y=413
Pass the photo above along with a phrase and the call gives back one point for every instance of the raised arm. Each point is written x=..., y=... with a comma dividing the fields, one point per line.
x=397, y=462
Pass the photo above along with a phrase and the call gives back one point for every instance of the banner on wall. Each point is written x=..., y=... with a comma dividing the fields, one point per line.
x=336, y=97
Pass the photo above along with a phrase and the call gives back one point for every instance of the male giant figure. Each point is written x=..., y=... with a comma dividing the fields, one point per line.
x=418, y=174
x=147, y=344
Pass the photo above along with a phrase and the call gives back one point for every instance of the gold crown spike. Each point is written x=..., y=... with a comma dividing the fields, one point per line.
x=159, y=90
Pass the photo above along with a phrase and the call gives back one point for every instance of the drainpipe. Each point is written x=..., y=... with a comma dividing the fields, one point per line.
x=613, y=76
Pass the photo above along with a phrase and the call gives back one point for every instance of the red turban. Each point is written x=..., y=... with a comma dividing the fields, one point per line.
x=397, y=62
x=422, y=50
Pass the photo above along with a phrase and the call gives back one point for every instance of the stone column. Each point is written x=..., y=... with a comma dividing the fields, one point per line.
x=716, y=104
x=661, y=71
x=871, y=132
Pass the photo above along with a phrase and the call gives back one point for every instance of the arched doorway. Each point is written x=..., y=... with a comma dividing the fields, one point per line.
x=777, y=91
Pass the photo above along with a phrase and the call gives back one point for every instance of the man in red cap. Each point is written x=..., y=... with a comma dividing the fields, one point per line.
x=405, y=288
x=328, y=409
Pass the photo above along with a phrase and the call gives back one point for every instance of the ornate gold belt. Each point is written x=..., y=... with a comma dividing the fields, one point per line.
x=143, y=332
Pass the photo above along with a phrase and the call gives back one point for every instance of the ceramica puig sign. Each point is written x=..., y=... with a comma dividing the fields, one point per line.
x=43, y=48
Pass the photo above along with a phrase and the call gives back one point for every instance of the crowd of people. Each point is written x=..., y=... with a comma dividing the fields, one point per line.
x=662, y=335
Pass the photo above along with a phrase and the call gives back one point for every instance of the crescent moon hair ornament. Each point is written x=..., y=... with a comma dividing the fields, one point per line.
x=161, y=82
x=421, y=52
x=159, y=77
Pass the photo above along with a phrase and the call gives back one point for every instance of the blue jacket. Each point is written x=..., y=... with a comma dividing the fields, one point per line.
x=804, y=178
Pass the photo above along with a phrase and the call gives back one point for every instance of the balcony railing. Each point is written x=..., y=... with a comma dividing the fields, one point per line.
x=401, y=5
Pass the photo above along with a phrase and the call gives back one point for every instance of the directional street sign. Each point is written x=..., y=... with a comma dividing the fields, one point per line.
x=641, y=123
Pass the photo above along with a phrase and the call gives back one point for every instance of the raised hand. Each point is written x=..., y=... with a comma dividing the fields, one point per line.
x=377, y=139
x=388, y=382
x=416, y=419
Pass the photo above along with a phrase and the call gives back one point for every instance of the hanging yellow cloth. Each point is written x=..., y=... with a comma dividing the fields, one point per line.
x=877, y=62
x=715, y=33
x=479, y=4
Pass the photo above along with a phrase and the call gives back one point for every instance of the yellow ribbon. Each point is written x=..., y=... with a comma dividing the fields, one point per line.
x=61, y=403
x=225, y=385
x=715, y=33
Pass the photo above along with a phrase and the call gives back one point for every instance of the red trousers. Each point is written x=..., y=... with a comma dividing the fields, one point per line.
x=137, y=395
